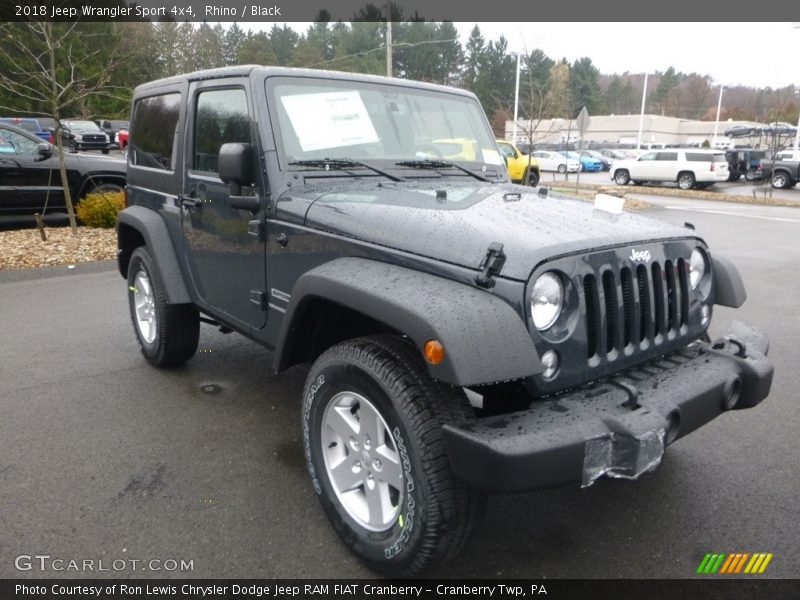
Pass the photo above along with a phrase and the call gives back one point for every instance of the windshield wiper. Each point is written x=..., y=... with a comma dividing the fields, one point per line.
x=439, y=164
x=340, y=164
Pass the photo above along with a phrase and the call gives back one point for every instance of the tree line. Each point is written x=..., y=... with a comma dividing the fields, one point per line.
x=422, y=50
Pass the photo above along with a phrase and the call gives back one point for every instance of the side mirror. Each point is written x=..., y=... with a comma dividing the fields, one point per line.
x=235, y=166
x=44, y=151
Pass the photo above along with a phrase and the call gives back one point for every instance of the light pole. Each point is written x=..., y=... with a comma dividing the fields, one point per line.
x=516, y=106
x=641, y=115
x=716, y=123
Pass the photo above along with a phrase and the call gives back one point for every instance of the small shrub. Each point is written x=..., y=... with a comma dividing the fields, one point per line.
x=99, y=209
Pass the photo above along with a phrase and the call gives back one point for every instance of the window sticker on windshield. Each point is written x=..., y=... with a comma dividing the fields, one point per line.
x=491, y=157
x=329, y=120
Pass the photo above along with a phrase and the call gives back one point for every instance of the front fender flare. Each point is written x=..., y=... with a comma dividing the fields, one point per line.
x=728, y=285
x=485, y=340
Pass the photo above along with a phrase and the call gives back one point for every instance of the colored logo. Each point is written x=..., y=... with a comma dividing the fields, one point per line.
x=734, y=563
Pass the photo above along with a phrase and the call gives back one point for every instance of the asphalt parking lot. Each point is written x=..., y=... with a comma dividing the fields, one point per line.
x=104, y=457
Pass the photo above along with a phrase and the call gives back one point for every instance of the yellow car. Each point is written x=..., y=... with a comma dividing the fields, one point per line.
x=521, y=167
x=455, y=148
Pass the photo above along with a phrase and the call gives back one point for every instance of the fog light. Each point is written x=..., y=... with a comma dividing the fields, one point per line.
x=550, y=364
x=705, y=314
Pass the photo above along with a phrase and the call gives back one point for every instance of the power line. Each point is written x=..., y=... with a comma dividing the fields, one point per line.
x=380, y=49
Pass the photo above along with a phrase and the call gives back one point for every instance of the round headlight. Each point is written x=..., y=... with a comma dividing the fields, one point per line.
x=697, y=267
x=547, y=299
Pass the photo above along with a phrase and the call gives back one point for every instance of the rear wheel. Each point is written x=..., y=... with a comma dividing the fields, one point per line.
x=168, y=333
x=781, y=180
x=751, y=175
x=533, y=178
x=375, y=451
x=622, y=177
x=686, y=180
x=562, y=168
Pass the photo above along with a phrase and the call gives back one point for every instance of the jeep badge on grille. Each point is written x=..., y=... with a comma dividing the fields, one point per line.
x=640, y=256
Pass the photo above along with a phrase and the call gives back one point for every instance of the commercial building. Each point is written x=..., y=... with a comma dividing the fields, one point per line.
x=624, y=129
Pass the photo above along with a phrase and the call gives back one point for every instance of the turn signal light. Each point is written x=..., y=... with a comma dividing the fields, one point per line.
x=434, y=352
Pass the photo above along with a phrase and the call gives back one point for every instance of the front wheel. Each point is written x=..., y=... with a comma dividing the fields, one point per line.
x=376, y=455
x=168, y=333
x=686, y=181
x=622, y=177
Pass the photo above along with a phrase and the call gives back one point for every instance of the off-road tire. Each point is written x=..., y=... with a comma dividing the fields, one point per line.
x=437, y=513
x=177, y=326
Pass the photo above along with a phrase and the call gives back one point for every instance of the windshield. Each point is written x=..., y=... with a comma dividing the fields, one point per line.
x=337, y=119
x=82, y=125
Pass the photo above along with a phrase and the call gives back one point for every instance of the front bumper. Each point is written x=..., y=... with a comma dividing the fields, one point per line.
x=617, y=427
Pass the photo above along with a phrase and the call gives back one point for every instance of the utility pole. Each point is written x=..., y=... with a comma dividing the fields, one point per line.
x=388, y=39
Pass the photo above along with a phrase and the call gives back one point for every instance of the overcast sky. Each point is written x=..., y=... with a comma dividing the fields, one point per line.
x=753, y=54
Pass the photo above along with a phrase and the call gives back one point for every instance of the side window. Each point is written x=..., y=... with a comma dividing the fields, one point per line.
x=221, y=117
x=667, y=156
x=152, y=142
x=648, y=156
x=13, y=143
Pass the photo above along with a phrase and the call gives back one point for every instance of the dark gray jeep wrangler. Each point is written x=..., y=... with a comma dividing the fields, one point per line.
x=465, y=335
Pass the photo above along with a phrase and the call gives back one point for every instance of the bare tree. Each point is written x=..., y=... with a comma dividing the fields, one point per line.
x=49, y=66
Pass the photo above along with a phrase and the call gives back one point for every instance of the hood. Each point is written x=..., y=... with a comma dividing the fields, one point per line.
x=456, y=222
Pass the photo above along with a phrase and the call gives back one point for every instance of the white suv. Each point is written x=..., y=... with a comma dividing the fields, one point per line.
x=689, y=168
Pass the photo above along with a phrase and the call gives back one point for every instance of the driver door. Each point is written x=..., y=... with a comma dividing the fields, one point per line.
x=225, y=250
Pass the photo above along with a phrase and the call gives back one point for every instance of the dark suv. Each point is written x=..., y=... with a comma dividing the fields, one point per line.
x=464, y=335
x=30, y=181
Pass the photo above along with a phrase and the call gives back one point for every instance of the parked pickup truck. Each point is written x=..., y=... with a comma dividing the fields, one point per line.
x=782, y=172
x=463, y=335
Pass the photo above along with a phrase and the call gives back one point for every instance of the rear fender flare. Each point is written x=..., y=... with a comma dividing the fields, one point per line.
x=152, y=228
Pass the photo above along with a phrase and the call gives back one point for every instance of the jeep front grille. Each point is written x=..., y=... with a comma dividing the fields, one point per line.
x=635, y=307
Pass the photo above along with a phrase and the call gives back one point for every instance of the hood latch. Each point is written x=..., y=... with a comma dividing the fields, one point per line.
x=491, y=265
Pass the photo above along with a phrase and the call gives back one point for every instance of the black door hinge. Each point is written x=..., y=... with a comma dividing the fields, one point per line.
x=259, y=298
x=256, y=229
x=491, y=265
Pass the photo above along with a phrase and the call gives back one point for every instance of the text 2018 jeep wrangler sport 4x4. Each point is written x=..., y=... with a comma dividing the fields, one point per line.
x=465, y=335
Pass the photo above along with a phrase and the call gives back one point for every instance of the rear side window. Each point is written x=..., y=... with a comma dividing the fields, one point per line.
x=698, y=157
x=221, y=118
x=667, y=156
x=719, y=158
x=155, y=120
